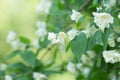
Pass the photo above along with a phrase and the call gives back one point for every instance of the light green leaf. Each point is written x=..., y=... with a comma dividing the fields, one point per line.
x=78, y=45
x=24, y=40
x=13, y=54
x=68, y=47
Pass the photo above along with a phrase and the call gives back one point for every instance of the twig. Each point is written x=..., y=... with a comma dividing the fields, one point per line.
x=48, y=49
x=84, y=5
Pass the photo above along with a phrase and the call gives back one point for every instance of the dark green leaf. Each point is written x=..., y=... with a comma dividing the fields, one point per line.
x=29, y=58
x=78, y=45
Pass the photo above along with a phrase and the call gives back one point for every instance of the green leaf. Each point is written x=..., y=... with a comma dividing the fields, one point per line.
x=95, y=2
x=29, y=58
x=68, y=47
x=96, y=38
x=105, y=36
x=17, y=67
x=93, y=6
x=24, y=40
x=13, y=54
x=78, y=45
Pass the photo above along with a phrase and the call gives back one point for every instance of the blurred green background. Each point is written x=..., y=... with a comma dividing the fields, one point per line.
x=19, y=16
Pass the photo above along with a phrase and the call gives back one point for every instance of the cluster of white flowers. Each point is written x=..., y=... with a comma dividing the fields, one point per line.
x=111, y=56
x=44, y=6
x=56, y=38
x=8, y=77
x=39, y=76
x=111, y=40
x=71, y=67
x=75, y=16
x=3, y=67
x=41, y=31
x=72, y=33
x=14, y=41
x=103, y=20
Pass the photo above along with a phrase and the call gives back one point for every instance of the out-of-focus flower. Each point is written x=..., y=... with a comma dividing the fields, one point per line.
x=86, y=60
x=79, y=66
x=119, y=15
x=111, y=40
x=35, y=43
x=75, y=15
x=118, y=39
x=44, y=6
x=72, y=33
x=103, y=20
x=71, y=67
x=8, y=77
x=41, y=24
x=99, y=9
x=109, y=4
x=3, y=67
x=111, y=56
x=60, y=37
x=39, y=76
x=52, y=37
x=56, y=38
x=41, y=31
x=91, y=54
x=11, y=36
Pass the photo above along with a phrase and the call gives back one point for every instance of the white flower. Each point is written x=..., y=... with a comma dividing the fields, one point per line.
x=111, y=56
x=109, y=4
x=15, y=44
x=72, y=33
x=99, y=9
x=56, y=38
x=91, y=54
x=41, y=24
x=44, y=6
x=118, y=39
x=103, y=20
x=75, y=15
x=79, y=66
x=60, y=37
x=71, y=67
x=86, y=60
x=3, y=67
x=119, y=15
x=111, y=42
x=41, y=32
x=11, y=36
x=8, y=77
x=35, y=43
x=52, y=37
x=39, y=76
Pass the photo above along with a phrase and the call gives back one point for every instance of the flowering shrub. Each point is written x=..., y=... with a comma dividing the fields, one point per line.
x=86, y=28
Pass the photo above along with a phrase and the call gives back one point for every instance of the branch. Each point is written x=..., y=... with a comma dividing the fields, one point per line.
x=85, y=4
x=48, y=49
